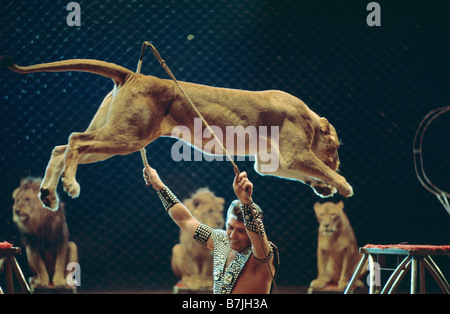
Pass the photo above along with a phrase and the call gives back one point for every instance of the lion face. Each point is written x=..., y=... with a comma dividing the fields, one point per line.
x=330, y=217
x=24, y=208
x=207, y=208
x=28, y=213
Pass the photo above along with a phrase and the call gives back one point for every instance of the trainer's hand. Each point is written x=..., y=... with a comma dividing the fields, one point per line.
x=243, y=188
x=151, y=177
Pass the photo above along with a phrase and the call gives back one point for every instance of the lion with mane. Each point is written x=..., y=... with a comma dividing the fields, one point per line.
x=190, y=260
x=44, y=234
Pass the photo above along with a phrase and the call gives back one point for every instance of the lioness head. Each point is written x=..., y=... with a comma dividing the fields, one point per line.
x=28, y=213
x=330, y=216
x=207, y=208
x=327, y=144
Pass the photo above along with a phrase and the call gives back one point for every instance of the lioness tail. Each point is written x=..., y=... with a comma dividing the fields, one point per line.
x=110, y=70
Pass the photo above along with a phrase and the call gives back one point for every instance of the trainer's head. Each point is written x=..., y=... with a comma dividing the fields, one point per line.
x=236, y=231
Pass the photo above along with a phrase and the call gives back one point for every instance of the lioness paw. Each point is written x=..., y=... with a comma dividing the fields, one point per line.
x=49, y=199
x=318, y=283
x=71, y=187
x=192, y=282
x=342, y=285
x=59, y=281
x=324, y=190
x=348, y=191
x=40, y=281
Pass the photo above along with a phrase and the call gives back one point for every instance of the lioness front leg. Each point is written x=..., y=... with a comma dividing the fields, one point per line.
x=322, y=278
x=319, y=187
x=297, y=161
x=308, y=164
x=101, y=144
x=347, y=270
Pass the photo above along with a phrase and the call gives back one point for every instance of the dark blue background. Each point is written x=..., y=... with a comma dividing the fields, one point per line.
x=374, y=84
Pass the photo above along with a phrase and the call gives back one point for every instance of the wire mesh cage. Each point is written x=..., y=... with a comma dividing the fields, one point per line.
x=374, y=84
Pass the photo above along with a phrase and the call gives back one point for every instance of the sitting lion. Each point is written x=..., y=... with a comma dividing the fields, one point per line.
x=190, y=260
x=337, y=250
x=44, y=233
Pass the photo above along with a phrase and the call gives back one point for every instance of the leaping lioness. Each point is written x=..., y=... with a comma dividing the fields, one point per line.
x=141, y=108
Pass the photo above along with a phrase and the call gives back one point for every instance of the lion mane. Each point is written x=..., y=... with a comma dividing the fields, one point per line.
x=39, y=226
x=45, y=234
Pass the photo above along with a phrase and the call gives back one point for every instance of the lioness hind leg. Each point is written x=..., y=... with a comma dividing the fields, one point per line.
x=78, y=145
x=47, y=193
x=55, y=166
x=99, y=145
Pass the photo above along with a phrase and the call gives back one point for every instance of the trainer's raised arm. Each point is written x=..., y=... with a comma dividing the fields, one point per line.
x=243, y=189
x=176, y=210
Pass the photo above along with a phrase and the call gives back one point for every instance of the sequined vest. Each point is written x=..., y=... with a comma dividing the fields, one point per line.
x=226, y=277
